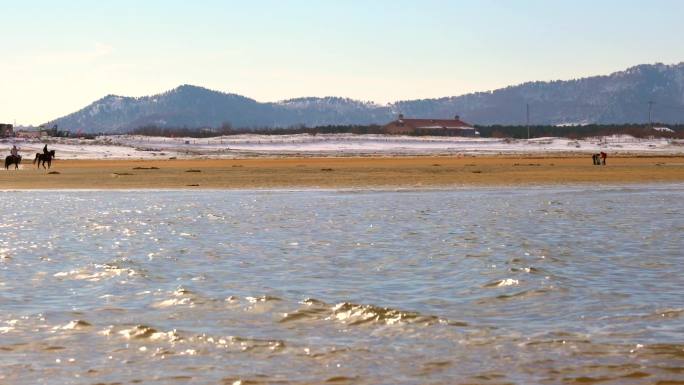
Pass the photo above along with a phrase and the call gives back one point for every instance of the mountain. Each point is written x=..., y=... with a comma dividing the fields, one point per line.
x=183, y=106
x=191, y=106
x=620, y=97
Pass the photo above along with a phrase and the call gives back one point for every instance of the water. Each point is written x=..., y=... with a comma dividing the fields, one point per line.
x=527, y=286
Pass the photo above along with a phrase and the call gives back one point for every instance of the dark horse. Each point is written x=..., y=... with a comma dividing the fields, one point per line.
x=11, y=159
x=43, y=158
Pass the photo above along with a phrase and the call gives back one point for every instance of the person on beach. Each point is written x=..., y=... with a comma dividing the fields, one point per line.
x=595, y=159
x=45, y=150
x=603, y=158
x=14, y=151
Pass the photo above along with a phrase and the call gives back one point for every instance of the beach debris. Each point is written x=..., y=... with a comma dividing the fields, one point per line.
x=192, y=185
x=54, y=173
x=115, y=174
x=146, y=168
x=193, y=170
x=326, y=169
x=476, y=172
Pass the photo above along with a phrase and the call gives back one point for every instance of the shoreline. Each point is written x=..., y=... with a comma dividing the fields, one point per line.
x=379, y=189
x=338, y=173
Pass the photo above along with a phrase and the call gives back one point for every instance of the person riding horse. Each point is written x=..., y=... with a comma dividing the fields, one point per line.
x=45, y=157
x=13, y=158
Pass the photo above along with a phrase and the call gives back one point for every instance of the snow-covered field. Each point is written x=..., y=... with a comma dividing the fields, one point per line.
x=141, y=147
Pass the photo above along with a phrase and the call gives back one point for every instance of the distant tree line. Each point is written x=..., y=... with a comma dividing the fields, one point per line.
x=227, y=129
x=495, y=131
x=581, y=132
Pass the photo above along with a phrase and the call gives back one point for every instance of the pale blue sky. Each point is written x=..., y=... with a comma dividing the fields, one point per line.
x=58, y=56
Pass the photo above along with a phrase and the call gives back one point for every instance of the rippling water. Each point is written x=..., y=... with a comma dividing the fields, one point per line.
x=568, y=285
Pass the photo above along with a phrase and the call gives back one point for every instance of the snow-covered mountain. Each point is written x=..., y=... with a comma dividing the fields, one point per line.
x=620, y=97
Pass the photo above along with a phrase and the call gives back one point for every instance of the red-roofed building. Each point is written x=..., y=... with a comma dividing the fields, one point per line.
x=449, y=127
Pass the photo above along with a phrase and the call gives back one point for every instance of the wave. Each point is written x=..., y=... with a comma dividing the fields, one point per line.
x=358, y=314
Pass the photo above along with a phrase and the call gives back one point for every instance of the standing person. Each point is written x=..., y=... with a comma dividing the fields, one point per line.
x=603, y=157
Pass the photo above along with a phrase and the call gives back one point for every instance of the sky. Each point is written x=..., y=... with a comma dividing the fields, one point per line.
x=59, y=56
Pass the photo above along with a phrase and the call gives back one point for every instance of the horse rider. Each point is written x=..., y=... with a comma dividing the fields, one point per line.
x=14, y=151
x=45, y=150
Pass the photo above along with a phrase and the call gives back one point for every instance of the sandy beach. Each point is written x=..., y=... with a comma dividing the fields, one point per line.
x=343, y=172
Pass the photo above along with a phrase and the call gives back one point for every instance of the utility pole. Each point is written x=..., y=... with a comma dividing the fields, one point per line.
x=650, y=110
x=527, y=114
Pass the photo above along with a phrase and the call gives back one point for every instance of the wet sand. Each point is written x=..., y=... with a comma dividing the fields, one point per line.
x=355, y=172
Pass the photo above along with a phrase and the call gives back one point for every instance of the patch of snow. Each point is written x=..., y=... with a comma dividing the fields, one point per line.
x=143, y=147
x=573, y=124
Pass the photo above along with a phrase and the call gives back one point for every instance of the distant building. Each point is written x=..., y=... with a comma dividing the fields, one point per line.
x=31, y=134
x=6, y=130
x=448, y=127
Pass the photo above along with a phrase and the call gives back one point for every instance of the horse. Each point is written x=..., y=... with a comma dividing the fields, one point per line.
x=11, y=159
x=43, y=158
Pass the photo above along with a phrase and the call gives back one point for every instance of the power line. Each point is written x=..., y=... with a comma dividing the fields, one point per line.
x=585, y=106
x=527, y=113
x=653, y=107
x=650, y=110
x=670, y=106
